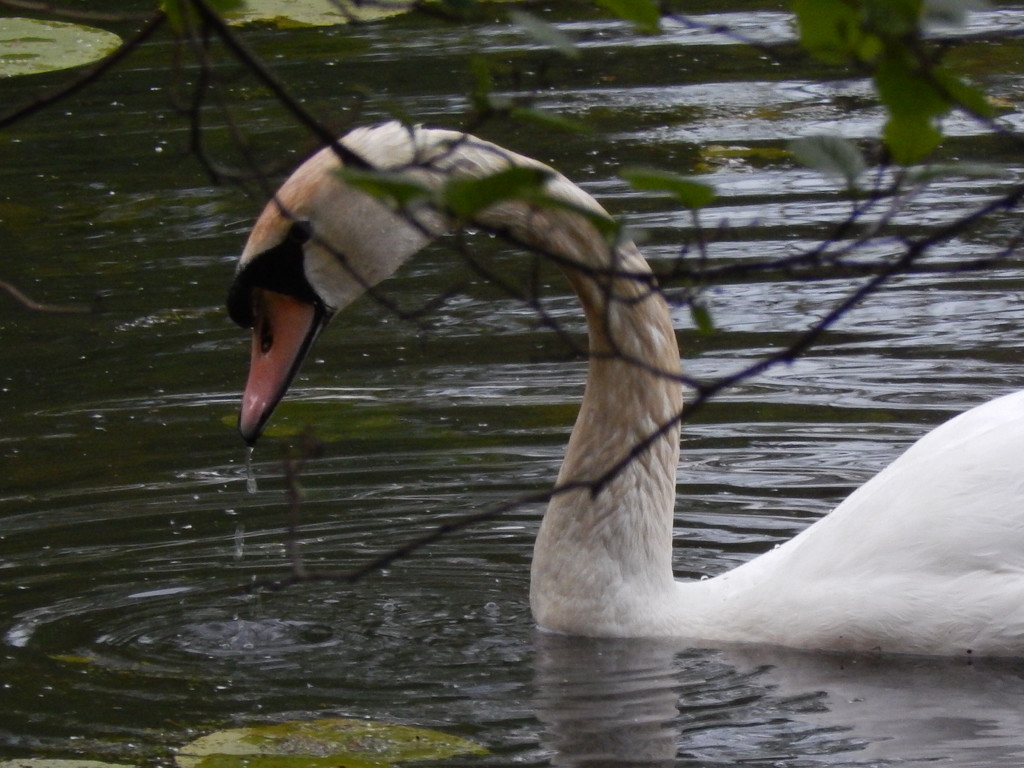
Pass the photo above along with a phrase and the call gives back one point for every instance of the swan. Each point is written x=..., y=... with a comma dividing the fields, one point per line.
x=925, y=558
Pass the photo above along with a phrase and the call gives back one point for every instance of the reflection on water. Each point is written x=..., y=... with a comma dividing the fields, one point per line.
x=129, y=537
x=637, y=703
x=607, y=703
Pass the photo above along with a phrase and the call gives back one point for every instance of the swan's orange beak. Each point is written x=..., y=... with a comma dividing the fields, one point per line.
x=283, y=330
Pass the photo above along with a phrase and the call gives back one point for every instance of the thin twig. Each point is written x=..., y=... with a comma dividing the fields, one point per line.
x=309, y=448
x=36, y=306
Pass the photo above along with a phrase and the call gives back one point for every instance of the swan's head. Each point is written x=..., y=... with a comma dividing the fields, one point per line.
x=316, y=247
x=321, y=242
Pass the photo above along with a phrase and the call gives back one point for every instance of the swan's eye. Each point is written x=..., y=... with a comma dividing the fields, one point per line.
x=265, y=331
x=300, y=232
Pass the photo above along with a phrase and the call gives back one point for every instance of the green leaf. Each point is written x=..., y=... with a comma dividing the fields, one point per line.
x=910, y=138
x=645, y=14
x=483, y=82
x=905, y=90
x=393, y=188
x=892, y=19
x=608, y=227
x=702, y=317
x=967, y=96
x=467, y=197
x=174, y=12
x=829, y=29
x=831, y=155
x=914, y=101
x=544, y=33
x=33, y=46
x=691, y=194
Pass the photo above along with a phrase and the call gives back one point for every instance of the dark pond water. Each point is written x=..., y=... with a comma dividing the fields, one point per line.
x=126, y=531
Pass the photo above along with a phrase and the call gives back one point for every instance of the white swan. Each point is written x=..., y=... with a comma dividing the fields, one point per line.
x=927, y=557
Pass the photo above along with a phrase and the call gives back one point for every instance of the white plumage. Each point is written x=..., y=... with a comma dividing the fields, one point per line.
x=927, y=557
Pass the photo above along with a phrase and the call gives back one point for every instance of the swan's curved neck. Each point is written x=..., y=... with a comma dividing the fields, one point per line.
x=602, y=560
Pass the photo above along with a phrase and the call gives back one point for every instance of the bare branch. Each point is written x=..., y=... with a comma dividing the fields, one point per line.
x=36, y=306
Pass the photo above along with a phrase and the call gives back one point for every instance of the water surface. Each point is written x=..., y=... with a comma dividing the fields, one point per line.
x=127, y=537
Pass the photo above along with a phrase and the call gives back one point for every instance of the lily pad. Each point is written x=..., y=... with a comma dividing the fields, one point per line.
x=715, y=156
x=322, y=744
x=32, y=46
x=48, y=762
x=315, y=13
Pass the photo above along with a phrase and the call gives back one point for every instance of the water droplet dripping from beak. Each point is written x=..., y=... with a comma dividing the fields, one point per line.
x=250, y=474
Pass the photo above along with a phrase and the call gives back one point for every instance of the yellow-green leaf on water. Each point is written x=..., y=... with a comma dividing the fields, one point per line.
x=714, y=156
x=322, y=744
x=32, y=46
x=68, y=658
x=315, y=13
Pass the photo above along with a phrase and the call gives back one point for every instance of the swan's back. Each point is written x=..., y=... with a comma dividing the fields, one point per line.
x=926, y=557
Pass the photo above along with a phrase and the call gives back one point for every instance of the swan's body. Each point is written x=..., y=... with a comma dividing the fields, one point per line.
x=928, y=557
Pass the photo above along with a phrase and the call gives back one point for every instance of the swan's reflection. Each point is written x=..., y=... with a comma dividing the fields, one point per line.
x=909, y=710
x=607, y=702
x=628, y=702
